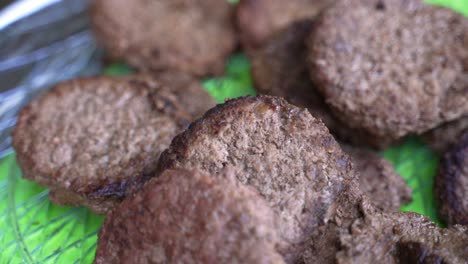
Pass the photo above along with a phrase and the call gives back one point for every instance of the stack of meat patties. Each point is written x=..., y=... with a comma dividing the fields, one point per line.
x=290, y=176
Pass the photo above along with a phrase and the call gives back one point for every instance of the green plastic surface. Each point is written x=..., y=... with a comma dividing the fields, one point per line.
x=32, y=230
x=417, y=164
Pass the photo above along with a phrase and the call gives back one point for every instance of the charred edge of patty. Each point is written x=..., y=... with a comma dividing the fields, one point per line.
x=212, y=120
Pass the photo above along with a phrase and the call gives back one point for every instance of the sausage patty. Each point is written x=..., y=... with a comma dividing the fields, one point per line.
x=190, y=36
x=391, y=67
x=190, y=217
x=92, y=141
x=279, y=149
x=279, y=68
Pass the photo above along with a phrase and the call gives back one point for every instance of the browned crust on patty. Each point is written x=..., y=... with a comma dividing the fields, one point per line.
x=278, y=148
x=189, y=36
x=93, y=141
x=392, y=67
x=451, y=184
x=190, y=217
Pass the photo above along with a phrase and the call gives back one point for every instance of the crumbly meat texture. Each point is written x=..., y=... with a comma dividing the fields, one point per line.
x=279, y=149
x=358, y=232
x=451, y=184
x=92, y=141
x=190, y=217
x=279, y=68
x=324, y=242
x=392, y=67
x=189, y=92
x=444, y=137
x=190, y=36
x=257, y=20
x=402, y=238
x=378, y=180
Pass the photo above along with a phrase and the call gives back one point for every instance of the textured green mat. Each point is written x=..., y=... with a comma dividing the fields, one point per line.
x=32, y=230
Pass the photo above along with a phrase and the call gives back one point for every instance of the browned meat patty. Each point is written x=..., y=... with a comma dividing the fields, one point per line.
x=391, y=67
x=451, y=184
x=190, y=36
x=444, y=137
x=279, y=149
x=188, y=91
x=402, y=238
x=92, y=141
x=257, y=20
x=279, y=68
x=190, y=217
x=378, y=180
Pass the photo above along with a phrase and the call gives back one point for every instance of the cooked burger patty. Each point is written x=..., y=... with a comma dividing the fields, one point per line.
x=190, y=217
x=257, y=20
x=279, y=149
x=279, y=68
x=190, y=36
x=451, y=184
x=391, y=67
x=92, y=141
x=378, y=180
